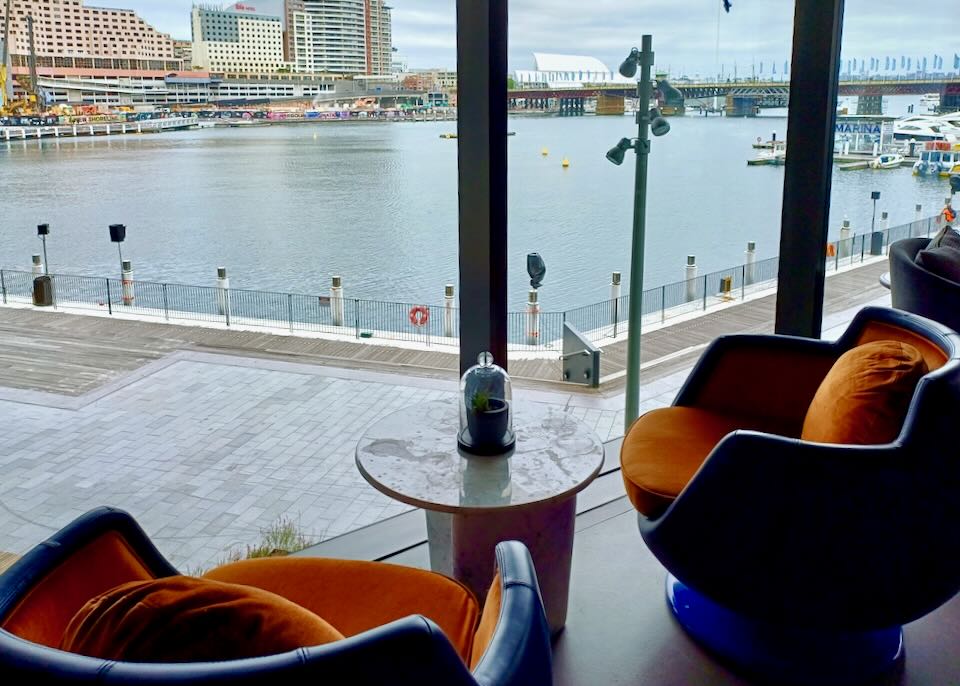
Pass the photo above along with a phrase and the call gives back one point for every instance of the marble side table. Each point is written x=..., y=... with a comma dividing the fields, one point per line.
x=473, y=503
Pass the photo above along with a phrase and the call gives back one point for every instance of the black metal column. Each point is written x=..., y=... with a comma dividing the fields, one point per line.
x=482, y=144
x=806, y=188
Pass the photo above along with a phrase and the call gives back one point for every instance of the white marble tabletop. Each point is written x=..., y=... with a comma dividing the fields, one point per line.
x=412, y=456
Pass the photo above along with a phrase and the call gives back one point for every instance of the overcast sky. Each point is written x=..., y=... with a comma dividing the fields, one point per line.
x=684, y=31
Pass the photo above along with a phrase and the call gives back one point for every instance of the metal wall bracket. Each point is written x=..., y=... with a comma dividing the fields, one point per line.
x=581, y=358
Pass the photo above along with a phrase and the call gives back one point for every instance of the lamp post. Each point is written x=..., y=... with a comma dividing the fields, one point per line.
x=43, y=230
x=648, y=120
x=118, y=233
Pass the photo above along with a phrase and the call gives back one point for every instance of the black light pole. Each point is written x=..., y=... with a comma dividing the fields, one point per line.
x=648, y=120
x=876, y=196
x=43, y=230
x=118, y=232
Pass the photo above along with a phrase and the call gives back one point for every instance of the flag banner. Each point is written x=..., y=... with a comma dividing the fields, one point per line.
x=956, y=61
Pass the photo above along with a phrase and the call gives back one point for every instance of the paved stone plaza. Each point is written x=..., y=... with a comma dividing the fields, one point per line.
x=207, y=450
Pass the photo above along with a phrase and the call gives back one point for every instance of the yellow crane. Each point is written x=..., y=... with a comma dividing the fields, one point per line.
x=29, y=103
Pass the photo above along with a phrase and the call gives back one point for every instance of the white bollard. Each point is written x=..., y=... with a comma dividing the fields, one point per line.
x=56, y=131
x=6, y=133
x=533, y=319
x=127, y=282
x=449, y=307
x=750, y=268
x=845, y=248
x=336, y=301
x=691, y=278
x=139, y=127
x=37, y=265
x=91, y=130
x=615, y=291
x=223, y=293
x=74, y=130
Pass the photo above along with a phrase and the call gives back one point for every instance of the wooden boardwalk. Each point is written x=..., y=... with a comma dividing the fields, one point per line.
x=73, y=354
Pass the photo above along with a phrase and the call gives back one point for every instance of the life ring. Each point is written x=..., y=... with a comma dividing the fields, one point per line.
x=420, y=316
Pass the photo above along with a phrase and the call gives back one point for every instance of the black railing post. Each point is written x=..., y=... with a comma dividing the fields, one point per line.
x=109, y=299
x=663, y=303
x=356, y=316
x=743, y=282
x=704, y=292
x=3, y=286
x=290, y=310
x=166, y=308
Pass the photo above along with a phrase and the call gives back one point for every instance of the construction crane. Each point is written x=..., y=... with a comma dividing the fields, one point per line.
x=30, y=103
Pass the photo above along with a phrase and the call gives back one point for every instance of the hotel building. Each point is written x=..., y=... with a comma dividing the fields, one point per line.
x=236, y=39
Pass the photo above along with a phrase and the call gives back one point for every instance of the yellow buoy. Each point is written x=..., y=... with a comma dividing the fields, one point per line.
x=566, y=163
x=544, y=152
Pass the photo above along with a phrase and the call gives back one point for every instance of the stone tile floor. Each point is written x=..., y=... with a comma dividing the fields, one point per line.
x=207, y=450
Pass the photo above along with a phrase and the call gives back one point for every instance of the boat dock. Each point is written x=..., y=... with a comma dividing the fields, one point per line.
x=14, y=133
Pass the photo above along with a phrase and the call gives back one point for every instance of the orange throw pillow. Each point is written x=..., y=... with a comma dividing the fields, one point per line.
x=183, y=619
x=865, y=396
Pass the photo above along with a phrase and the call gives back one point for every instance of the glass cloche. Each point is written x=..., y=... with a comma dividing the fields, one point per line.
x=486, y=409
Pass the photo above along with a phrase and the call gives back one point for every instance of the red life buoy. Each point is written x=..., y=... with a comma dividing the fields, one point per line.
x=420, y=316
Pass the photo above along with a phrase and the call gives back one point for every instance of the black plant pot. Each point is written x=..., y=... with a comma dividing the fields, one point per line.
x=489, y=431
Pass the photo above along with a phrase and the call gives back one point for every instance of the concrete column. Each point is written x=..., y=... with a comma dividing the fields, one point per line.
x=449, y=307
x=615, y=288
x=223, y=293
x=691, y=278
x=336, y=301
x=845, y=246
x=37, y=265
x=533, y=318
x=750, y=268
x=127, y=282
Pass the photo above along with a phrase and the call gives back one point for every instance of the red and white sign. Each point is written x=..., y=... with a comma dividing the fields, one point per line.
x=240, y=7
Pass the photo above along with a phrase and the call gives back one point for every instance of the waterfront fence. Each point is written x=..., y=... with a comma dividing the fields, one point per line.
x=430, y=325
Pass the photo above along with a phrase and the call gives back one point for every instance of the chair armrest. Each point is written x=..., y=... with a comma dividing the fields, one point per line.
x=519, y=652
x=772, y=377
x=815, y=534
x=56, y=550
x=409, y=652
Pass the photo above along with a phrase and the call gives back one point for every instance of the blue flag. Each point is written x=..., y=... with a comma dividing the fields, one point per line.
x=956, y=61
x=786, y=67
x=727, y=5
x=903, y=61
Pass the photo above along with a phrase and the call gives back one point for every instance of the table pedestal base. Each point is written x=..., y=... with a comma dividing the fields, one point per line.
x=462, y=546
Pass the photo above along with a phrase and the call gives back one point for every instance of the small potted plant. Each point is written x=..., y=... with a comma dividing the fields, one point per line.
x=486, y=417
x=488, y=420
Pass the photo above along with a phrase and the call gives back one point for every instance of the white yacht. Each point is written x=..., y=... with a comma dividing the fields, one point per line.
x=928, y=127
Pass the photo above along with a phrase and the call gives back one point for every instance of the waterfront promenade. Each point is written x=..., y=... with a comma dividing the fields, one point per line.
x=208, y=436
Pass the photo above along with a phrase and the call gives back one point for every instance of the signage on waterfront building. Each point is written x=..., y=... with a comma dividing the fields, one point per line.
x=240, y=7
x=864, y=127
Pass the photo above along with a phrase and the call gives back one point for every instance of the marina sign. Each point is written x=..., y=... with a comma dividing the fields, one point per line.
x=865, y=127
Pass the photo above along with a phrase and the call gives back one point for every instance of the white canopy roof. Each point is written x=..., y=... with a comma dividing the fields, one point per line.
x=568, y=63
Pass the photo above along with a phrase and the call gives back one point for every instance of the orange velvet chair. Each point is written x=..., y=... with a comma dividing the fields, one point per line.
x=791, y=559
x=400, y=625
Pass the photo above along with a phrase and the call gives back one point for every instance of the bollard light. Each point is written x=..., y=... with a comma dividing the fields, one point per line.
x=43, y=230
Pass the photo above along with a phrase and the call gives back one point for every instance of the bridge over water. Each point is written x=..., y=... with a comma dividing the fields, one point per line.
x=691, y=91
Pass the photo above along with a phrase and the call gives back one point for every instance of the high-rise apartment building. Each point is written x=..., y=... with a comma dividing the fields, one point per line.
x=68, y=29
x=339, y=36
x=236, y=40
x=379, y=37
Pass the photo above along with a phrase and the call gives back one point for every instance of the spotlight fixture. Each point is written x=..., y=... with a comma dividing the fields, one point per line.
x=629, y=67
x=658, y=125
x=616, y=153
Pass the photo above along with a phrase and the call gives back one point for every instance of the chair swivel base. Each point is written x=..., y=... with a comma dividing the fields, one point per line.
x=783, y=654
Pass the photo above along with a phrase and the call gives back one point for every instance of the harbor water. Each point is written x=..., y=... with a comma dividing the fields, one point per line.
x=286, y=207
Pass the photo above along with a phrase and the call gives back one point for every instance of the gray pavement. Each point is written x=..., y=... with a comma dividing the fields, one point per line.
x=207, y=450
